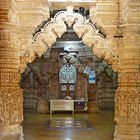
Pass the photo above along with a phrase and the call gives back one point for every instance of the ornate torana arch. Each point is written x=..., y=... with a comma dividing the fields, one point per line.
x=83, y=28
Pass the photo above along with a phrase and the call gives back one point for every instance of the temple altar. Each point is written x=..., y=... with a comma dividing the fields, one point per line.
x=61, y=105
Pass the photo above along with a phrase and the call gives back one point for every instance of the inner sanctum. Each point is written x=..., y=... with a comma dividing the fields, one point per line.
x=69, y=70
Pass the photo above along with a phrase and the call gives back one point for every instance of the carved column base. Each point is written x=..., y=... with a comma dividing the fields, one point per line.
x=15, y=132
x=127, y=132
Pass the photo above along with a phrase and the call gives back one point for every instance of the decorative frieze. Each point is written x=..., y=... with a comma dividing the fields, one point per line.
x=129, y=78
x=31, y=4
x=28, y=5
x=30, y=13
x=130, y=62
x=8, y=70
x=107, y=7
x=6, y=55
x=11, y=61
x=14, y=66
x=105, y=14
x=29, y=19
x=9, y=77
x=104, y=20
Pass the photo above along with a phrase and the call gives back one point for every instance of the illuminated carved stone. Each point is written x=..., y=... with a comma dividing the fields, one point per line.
x=123, y=54
x=47, y=36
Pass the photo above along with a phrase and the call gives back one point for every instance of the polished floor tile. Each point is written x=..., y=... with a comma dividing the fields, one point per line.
x=34, y=126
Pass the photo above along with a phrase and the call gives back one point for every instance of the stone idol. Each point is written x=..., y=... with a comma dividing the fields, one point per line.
x=67, y=74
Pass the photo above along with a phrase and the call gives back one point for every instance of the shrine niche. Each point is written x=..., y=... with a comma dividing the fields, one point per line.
x=58, y=26
x=66, y=84
x=46, y=80
x=45, y=73
x=67, y=77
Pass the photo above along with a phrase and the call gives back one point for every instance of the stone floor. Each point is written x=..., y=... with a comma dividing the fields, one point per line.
x=102, y=122
x=35, y=130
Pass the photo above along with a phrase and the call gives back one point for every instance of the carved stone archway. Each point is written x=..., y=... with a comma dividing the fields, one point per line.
x=127, y=94
x=83, y=28
x=87, y=31
x=17, y=50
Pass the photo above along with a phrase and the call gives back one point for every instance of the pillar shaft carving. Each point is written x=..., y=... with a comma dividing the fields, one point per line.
x=11, y=100
x=127, y=114
x=15, y=53
x=11, y=107
x=127, y=105
x=127, y=98
x=9, y=59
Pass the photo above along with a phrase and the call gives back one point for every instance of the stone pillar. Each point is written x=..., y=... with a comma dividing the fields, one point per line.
x=126, y=61
x=127, y=98
x=11, y=99
x=18, y=21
